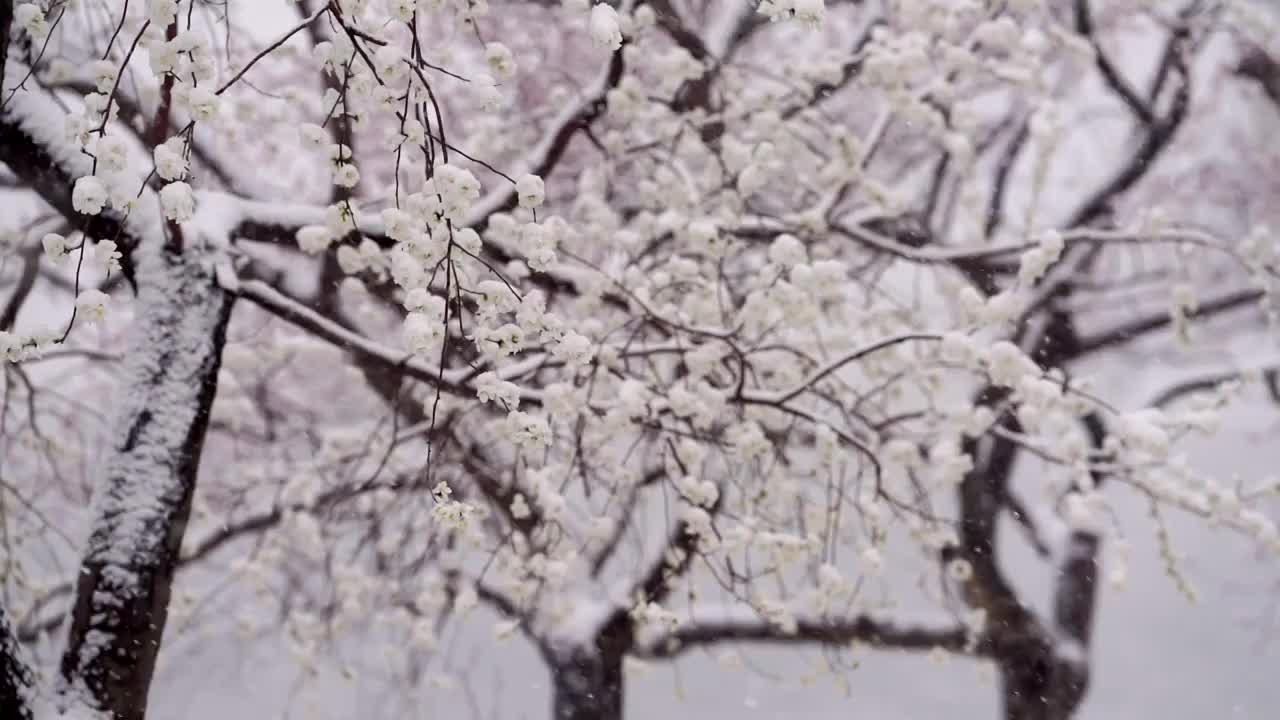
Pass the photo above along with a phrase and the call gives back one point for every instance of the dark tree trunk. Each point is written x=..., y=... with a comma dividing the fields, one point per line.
x=15, y=675
x=588, y=680
x=1037, y=685
x=588, y=686
x=142, y=503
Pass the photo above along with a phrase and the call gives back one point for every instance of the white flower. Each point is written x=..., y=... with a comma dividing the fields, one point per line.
x=421, y=332
x=467, y=239
x=810, y=12
x=491, y=388
x=163, y=58
x=528, y=430
x=31, y=18
x=458, y=188
x=178, y=202
x=313, y=239
x=351, y=260
x=1007, y=364
x=605, y=32
x=92, y=304
x=202, y=103
x=162, y=12
x=123, y=197
x=107, y=256
x=346, y=175
x=573, y=349
x=89, y=195
x=531, y=191
x=787, y=251
x=402, y=10
x=170, y=164
x=55, y=246
x=500, y=59
x=111, y=152
x=104, y=75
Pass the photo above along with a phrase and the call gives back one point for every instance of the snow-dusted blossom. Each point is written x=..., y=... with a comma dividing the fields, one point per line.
x=162, y=12
x=202, y=103
x=1144, y=431
x=402, y=10
x=31, y=18
x=748, y=440
x=809, y=12
x=502, y=341
x=92, y=305
x=491, y=388
x=574, y=349
x=467, y=239
x=539, y=245
x=313, y=239
x=605, y=30
x=106, y=255
x=1007, y=364
x=89, y=195
x=421, y=333
x=1037, y=260
x=178, y=202
x=346, y=175
x=104, y=75
x=111, y=152
x=500, y=60
x=528, y=430
x=55, y=246
x=169, y=159
x=531, y=191
x=453, y=515
x=458, y=189
x=787, y=251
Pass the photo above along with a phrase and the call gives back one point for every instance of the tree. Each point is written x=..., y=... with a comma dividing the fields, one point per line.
x=818, y=282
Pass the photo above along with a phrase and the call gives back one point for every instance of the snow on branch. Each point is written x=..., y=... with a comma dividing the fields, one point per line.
x=874, y=629
x=34, y=146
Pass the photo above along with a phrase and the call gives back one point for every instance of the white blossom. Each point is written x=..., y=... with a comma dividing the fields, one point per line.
x=92, y=305
x=178, y=201
x=531, y=191
x=169, y=159
x=106, y=256
x=605, y=31
x=55, y=246
x=89, y=195
x=500, y=59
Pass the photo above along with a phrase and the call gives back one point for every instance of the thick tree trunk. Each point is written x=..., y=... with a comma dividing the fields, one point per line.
x=588, y=686
x=1038, y=686
x=142, y=503
x=15, y=675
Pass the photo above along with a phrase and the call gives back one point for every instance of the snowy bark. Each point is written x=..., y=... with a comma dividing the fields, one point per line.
x=587, y=686
x=15, y=675
x=587, y=680
x=143, y=501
